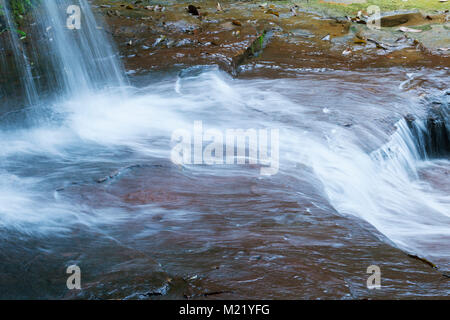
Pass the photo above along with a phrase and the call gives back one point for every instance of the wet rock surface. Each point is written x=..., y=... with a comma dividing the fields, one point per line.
x=192, y=235
x=248, y=40
x=168, y=35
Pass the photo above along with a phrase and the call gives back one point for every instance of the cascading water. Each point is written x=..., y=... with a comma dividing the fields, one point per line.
x=98, y=176
x=80, y=57
x=385, y=187
x=21, y=60
x=432, y=135
x=68, y=60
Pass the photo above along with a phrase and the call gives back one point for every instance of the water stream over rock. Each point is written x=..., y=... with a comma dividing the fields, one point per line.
x=363, y=178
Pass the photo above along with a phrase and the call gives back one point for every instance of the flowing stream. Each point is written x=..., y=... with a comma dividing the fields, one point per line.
x=86, y=177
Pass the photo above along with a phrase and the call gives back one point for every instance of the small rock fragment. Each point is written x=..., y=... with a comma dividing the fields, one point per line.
x=346, y=52
x=275, y=13
x=193, y=10
x=359, y=40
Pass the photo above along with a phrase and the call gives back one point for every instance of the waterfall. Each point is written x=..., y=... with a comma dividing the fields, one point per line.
x=67, y=59
x=81, y=58
x=432, y=135
x=385, y=187
x=20, y=57
x=419, y=139
x=82, y=174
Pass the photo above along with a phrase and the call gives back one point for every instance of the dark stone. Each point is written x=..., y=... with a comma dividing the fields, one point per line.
x=435, y=139
x=193, y=10
x=2, y=25
x=399, y=19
